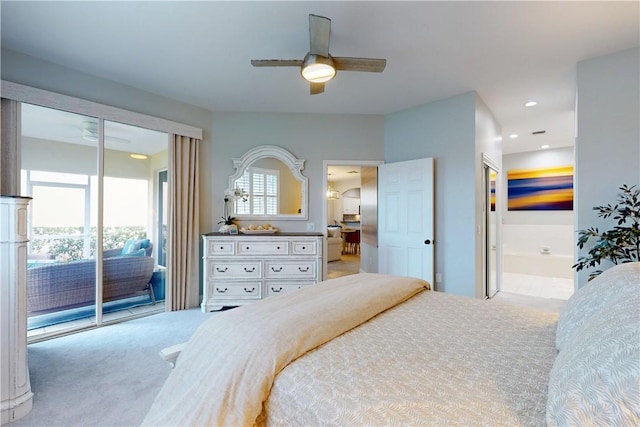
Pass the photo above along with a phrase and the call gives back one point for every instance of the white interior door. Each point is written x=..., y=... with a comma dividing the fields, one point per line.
x=405, y=219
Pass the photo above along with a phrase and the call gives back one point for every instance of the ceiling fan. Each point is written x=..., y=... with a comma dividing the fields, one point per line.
x=318, y=66
x=90, y=133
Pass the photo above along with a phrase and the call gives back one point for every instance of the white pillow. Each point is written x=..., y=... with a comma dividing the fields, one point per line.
x=595, y=379
x=593, y=297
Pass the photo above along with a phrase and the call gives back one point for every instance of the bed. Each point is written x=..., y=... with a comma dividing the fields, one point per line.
x=372, y=349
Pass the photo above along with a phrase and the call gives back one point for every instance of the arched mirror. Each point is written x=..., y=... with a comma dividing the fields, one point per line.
x=272, y=184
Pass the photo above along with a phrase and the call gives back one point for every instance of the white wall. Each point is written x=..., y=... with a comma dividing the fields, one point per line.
x=608, y=135
x=446, y=131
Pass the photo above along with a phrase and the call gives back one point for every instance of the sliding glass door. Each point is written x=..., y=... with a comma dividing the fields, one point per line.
x=92, y=219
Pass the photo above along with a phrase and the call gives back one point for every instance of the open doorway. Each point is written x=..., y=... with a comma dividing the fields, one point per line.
x=350, y=217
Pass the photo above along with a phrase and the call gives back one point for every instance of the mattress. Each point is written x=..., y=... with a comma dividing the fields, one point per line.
x=437, y=359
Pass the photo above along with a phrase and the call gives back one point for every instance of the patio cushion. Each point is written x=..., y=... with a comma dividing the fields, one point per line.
x=134, y=245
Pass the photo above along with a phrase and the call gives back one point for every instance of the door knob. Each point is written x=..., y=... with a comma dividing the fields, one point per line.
x=427, y=242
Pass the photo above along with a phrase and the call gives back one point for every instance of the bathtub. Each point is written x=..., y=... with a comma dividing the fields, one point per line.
x=547, y=265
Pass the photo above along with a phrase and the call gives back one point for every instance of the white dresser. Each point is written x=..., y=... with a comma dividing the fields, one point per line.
x=240, y=269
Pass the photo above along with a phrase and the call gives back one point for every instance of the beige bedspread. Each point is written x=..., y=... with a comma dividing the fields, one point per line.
x=225, y=372
x=435, y=360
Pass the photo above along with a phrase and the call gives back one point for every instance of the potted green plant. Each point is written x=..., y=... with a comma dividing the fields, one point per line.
x=621, y=243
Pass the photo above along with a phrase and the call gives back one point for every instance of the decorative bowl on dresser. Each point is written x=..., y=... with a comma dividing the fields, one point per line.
x=240, y=269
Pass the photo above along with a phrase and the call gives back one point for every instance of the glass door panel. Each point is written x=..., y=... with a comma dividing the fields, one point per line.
x=58, y=161
x=132, y=156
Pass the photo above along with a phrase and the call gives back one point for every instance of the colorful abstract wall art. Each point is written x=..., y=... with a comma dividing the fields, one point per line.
x=492, y=182
x=543, y=189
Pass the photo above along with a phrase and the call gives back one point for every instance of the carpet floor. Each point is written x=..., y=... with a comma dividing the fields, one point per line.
x=107, y=376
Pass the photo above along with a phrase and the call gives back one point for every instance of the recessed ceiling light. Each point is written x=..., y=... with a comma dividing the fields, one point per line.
x=544, y=147
x=138, y=156
x=530, y=103
x=513, y=136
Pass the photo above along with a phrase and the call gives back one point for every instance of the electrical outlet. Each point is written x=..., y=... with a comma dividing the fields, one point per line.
x=438, y=277
x=311, y=226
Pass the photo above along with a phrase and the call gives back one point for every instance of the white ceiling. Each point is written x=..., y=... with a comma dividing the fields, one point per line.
x=200, y=52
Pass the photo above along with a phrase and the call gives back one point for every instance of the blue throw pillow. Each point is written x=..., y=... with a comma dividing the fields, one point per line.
x=130, y=246
x=139, y=252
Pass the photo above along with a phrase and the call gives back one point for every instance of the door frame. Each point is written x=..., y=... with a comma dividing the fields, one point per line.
x=325, y=204
x=489, y=164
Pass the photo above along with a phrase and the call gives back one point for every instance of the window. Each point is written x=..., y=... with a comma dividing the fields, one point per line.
x=60, y=214
x=263, y=187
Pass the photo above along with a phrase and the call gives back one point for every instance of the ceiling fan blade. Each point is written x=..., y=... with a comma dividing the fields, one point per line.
x=276, y=62
x=319, y=33
x=316, y=88
x=359, y=64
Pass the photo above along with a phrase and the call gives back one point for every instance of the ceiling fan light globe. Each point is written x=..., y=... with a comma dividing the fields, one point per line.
x=318, y=69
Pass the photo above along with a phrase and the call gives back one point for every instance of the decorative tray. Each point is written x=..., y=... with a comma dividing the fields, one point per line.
x=269, y=231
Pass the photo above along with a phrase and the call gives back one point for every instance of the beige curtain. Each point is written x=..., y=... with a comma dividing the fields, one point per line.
x=183, y=284
x=9, y=147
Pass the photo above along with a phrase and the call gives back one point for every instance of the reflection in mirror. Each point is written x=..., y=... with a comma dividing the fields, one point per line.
x=270, y=177
x=490, y=210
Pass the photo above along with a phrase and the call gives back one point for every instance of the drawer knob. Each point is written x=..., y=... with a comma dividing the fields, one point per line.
x=222, y=270
x=249, y=290
x=277, y=247
x=276, y=270
x=221, y=247
x=222, y=291
x=303, y=270
x=276, y=290
x=304, y=247
x=247, y=248
x=249, y=270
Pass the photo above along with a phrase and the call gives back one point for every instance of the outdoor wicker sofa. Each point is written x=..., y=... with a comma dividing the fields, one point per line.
x=65, y=285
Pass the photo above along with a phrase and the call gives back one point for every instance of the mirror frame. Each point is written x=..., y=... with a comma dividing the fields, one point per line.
x=294, y=164
x=491, y=287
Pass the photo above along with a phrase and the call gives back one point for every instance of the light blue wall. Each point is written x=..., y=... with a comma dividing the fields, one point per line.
x=30, y=71
x=608, y=135
x=446, y=131
x=312, y=137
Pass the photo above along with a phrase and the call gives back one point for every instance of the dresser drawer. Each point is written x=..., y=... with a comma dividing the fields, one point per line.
x=249, y=248
x=277, y=288
x=234, y=269
x=220, y=247
x=291, y=269
x=244, y=290
x=304, y=247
